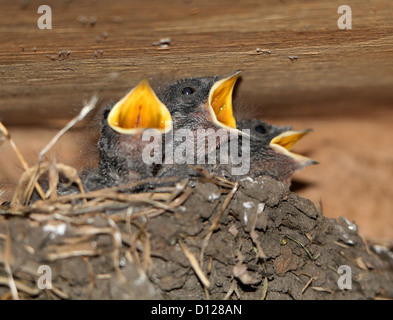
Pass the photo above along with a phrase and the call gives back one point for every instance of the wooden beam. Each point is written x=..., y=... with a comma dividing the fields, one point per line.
x=306, y=66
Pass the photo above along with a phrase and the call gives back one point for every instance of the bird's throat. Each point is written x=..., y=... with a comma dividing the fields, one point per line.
x=220, y=102
x=140, y=109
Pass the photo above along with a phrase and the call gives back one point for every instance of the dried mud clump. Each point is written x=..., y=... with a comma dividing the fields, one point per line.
x=193, y=239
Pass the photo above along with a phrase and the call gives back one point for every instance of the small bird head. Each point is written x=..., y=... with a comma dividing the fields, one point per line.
x=204, y=102
x=261, y=130
x=122, y=127
x=270, y=150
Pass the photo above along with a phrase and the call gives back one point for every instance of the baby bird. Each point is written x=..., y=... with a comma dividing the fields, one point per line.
x=123, y=151
x=202, y=114
x=269, y=150
x=191, y=122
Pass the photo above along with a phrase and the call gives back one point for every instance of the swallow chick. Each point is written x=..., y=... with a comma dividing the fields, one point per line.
x=270, y=150
x=201, y=108
x=122, y=146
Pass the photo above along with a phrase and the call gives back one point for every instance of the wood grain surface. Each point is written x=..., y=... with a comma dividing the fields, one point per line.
x=336, y=71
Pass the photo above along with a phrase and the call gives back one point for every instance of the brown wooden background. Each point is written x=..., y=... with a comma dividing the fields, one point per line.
x=336, y=70
x=341, y=83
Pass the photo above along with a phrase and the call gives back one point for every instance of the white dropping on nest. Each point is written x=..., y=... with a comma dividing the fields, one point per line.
x=350, y=225
x=213, y=196
x=247, y=179
x=122, y=262
x=58, y=230
x=248, y=205
x=261, y=207
x=245, y=217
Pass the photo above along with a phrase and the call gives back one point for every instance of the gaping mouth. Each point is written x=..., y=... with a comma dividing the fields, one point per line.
x=284, y=142
x=220, y=102
x=140, y=109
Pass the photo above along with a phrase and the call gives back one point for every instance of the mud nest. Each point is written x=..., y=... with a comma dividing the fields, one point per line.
x=199, y=238
x=204, y=238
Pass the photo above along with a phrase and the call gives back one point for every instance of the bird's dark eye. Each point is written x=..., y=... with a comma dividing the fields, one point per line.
x=106, y=113
x=260, y=129
x=188, y=90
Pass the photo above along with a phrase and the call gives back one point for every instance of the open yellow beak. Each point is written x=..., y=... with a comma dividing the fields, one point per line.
x=285, y=141
x=140, y=109
x=220, y=102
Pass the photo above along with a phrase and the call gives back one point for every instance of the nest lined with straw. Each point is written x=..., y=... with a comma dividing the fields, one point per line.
x=198, y=238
